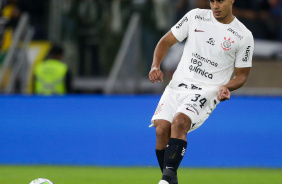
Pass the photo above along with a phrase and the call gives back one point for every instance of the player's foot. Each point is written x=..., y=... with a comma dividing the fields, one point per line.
x=163, y=182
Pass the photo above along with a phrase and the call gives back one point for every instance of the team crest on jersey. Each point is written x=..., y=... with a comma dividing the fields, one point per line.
x=226, y=45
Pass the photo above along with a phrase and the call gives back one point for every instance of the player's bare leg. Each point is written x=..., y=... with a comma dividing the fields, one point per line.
x=176, y=147
x=163, y=129
x=180, y=126
x=162, y=133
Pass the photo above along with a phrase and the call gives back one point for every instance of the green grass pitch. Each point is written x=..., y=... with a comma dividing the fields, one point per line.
x=135, y=175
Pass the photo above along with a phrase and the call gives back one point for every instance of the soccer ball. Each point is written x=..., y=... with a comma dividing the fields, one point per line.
x=41, y=181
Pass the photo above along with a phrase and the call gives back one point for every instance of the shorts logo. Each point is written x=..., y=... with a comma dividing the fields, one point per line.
x=247, y=54
x=159, y=109
x=189, y=109
x=226, y=45
x=191, y=106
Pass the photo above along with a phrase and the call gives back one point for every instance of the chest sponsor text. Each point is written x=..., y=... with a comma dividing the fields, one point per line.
x=235, y=33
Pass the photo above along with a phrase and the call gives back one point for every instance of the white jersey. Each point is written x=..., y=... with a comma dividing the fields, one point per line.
x=211, y=51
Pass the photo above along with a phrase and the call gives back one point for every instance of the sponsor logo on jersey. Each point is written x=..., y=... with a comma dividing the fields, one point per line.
x=195, y=87
x=183, y=85
x=226, y=45
x=159, y=109
x=191, y=87
x=211, y=41
x=247, y=54
x=200, y=71
x=196, y=30
x=181, y=22
x=196, y=65
x=201, y=18
x=235, y=33
x=206, y=60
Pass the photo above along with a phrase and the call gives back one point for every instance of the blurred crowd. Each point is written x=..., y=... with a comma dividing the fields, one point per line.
x=98, y=26
x=11, y=10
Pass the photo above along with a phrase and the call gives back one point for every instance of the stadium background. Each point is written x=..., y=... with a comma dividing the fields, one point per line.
x=104, y=120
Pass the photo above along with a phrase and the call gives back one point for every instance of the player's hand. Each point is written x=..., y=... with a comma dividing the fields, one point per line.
x=223, y=93
x=156, y=75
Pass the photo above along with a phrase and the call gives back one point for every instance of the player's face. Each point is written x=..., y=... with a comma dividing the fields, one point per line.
x=222, y=9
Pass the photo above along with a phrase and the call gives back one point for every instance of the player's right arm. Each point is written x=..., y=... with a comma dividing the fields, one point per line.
x=168, y=40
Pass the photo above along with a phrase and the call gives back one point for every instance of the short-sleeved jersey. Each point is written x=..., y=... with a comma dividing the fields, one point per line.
x=211, y=51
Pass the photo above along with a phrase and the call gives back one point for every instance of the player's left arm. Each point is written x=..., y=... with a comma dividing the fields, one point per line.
x=241, y=75
x=243, y=66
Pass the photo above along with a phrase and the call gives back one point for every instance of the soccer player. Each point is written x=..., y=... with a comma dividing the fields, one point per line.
x=217, y=45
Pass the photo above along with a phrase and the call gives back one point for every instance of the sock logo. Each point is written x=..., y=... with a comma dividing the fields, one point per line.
x=172, y=156
x=169, y=167
x=183, y=152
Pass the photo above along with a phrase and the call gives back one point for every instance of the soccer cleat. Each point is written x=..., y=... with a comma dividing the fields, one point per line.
x=163, y=182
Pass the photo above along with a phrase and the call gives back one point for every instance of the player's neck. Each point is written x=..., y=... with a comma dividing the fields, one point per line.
x=227, y=19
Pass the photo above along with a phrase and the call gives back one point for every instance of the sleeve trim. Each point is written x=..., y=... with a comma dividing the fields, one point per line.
x=175, y=35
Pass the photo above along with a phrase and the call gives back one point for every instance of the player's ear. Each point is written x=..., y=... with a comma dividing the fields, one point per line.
x=232, y=1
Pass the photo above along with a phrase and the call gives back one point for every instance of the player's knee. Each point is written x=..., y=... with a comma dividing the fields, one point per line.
x=163, y=129
x=181, y=123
